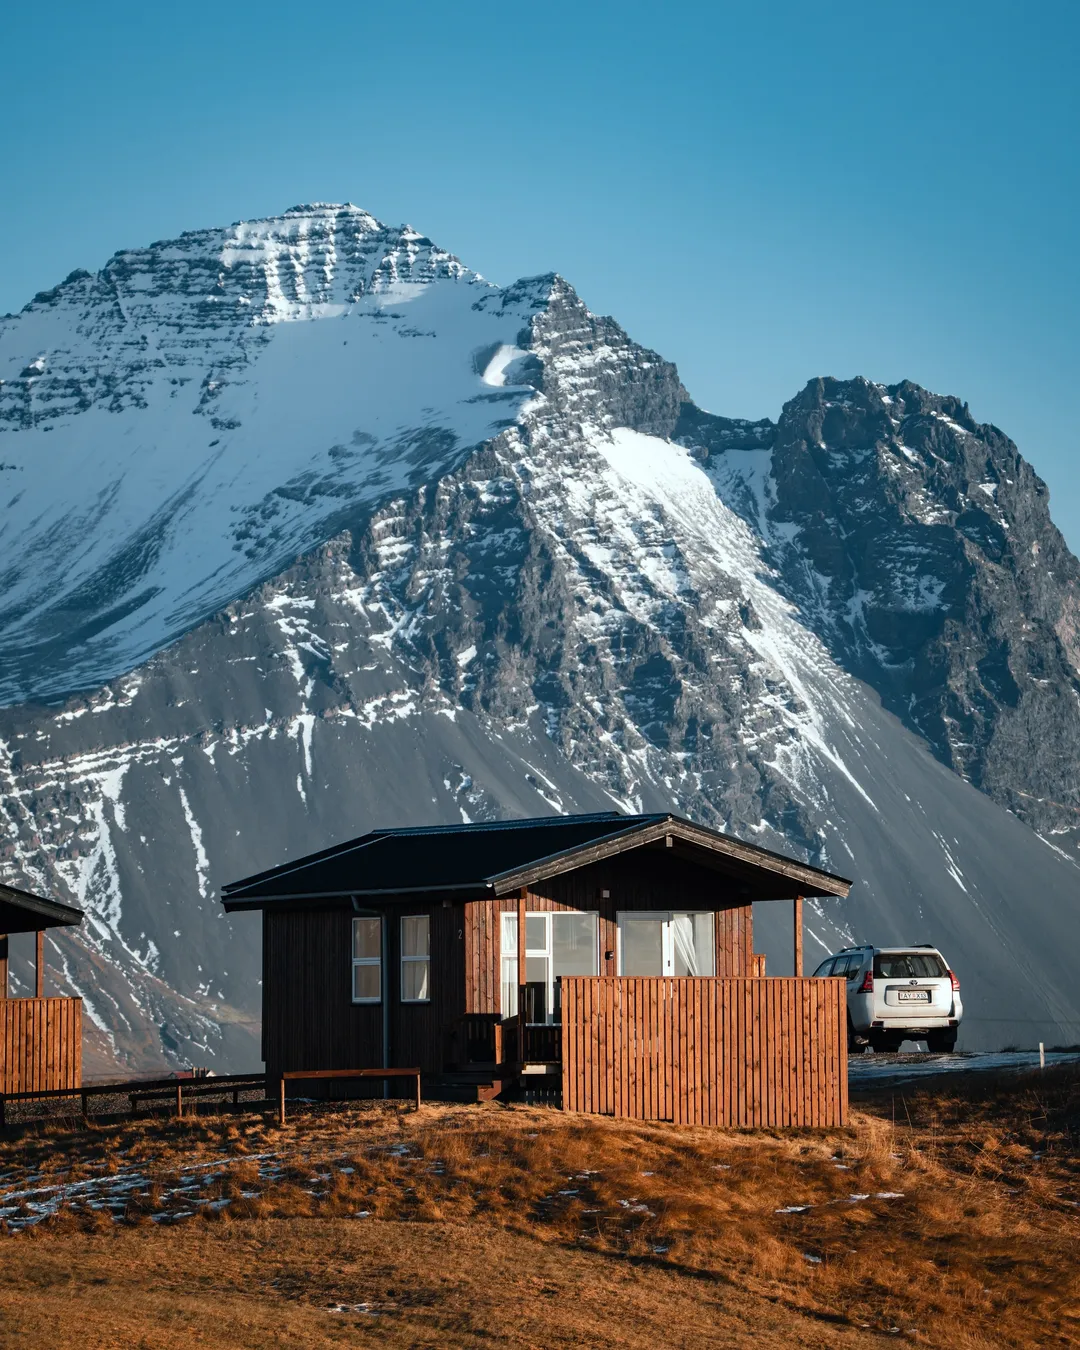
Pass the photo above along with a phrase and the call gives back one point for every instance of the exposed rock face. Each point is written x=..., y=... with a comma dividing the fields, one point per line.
x=532, y=576
x=918, y=543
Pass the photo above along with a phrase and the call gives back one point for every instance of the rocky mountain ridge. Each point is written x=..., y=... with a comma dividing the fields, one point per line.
x=919, y=544
x=595, y=593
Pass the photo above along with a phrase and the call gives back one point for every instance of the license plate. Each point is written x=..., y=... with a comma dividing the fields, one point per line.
x=913, y=996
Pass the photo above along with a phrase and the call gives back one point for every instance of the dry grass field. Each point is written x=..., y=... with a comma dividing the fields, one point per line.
x=949, y=1216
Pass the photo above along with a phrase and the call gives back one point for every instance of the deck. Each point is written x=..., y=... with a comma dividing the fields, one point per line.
x=740, y=1052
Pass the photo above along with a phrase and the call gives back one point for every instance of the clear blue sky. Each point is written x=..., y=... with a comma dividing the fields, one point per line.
x=762, y=192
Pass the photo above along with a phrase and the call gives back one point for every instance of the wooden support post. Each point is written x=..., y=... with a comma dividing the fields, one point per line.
x=521, y=967
x=179, y=1101
x=418, y=1092
x=39, y=965
x=85, y=1105
x=281, y=1101
x=798, y=937
x=3, y=965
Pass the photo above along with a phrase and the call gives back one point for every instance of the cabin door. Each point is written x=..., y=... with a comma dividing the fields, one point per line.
x=562, y=942
x=667, y=942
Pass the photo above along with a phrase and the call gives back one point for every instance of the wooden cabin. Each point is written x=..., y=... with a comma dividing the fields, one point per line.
x=40, y=1038
x=605, y=962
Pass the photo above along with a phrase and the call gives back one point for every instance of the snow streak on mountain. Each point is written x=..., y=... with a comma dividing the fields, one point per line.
x=311, y=529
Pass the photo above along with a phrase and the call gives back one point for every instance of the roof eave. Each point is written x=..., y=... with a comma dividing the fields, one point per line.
x=60, y=915
x=479, y=889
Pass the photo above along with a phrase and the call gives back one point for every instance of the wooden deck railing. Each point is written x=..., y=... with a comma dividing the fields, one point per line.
x=40, y=1044
x=739, y=1052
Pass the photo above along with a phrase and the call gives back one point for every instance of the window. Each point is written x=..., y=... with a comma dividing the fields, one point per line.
x=667, y=943
x=415, y=958
x=564, y=942
x=910, y=966
x=367, y=960
x=826, y=967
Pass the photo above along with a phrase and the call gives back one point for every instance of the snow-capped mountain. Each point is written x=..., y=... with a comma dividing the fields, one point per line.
x=459, y=551
x=201, y=411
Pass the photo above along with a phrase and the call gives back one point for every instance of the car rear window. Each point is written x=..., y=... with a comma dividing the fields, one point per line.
x=909, y=966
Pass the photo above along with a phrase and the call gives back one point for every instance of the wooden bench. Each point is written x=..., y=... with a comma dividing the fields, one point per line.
x=385, y=1074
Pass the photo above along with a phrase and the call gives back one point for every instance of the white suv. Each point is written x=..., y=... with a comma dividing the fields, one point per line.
x=897, y=994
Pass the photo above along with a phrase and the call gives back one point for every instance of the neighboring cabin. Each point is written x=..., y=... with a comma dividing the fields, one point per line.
x=40, y=1038
x=605, y=961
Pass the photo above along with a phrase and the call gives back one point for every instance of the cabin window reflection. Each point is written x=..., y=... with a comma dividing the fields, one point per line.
x=565, y=942
x=367, y=960
x=667, y=943
x=415, y=958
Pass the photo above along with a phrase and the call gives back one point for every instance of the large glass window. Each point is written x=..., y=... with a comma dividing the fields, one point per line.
x=564, y=942
x=667, y=943
x=367, y=960
x=415, y=958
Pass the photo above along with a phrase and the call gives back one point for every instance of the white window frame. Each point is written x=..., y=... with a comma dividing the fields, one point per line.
x=414, y=960
x=547, y=951
x=667, y=943
x=376, y=961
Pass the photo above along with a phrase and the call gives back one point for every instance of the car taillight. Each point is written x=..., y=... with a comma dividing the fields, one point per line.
x=955, y=982
x=867, y=986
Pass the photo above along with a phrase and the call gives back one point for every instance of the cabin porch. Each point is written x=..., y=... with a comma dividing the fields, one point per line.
x=739, y=1052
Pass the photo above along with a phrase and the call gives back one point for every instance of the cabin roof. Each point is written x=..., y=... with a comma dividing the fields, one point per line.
x=498, y=858
x=22, y=912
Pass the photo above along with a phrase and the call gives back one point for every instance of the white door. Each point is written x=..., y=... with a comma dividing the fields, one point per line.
x=559, y=942
x=667, y=942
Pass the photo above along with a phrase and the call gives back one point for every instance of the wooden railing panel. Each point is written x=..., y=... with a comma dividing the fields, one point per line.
x=40, y=1044
x=746, y=1052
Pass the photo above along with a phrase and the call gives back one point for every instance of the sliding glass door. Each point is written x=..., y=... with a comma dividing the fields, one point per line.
x=560, y=943
x=667, y=942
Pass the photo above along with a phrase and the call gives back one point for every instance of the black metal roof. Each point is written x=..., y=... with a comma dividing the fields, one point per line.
x=495, y=858
x=21, y=912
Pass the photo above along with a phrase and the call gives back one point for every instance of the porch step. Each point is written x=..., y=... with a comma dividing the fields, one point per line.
x=468, y=1085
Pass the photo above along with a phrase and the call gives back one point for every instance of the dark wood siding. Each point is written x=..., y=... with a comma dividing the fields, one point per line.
x=643, y=880
x=419, y=1031
x=309, y=1018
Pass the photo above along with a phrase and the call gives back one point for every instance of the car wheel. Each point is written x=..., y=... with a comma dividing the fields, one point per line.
x=941, y=1042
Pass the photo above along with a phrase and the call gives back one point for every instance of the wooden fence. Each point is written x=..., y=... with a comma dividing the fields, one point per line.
x=40, y=1044
x=739, y=1052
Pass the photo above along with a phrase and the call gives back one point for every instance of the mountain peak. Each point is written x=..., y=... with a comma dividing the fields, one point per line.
x=198, y=412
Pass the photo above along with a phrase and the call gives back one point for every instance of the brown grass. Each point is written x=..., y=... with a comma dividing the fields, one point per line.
x=523, y=1226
